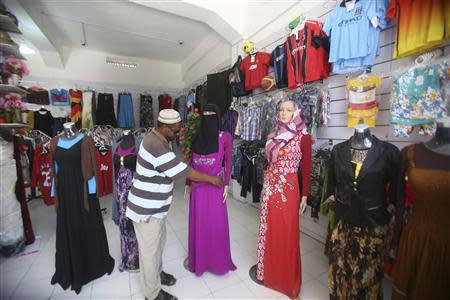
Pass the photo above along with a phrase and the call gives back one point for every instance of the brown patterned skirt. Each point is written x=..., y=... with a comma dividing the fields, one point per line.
x=356, y=261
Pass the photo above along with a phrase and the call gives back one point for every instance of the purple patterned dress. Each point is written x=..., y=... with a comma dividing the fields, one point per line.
x=128, y=242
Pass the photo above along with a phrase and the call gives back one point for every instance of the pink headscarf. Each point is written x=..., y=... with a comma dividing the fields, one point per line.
x=283, y=133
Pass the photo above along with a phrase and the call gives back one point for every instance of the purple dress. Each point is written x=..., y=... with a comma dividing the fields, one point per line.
x=128, y=242
x=209, y=238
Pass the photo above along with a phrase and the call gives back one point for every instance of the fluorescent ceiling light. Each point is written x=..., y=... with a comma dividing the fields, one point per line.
x=121, y=63
x=24, y=49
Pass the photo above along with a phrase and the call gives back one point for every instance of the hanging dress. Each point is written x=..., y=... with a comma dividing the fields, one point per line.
x=128, y=242
x=209, y=238
x=422, y=269
x=86, y=115
x=146, y=111
x=75, y=107
x=125, y=114
x=82, y=252
x=104, y=113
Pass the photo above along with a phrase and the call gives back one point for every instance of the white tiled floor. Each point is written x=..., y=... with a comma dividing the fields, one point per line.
x=28, y=277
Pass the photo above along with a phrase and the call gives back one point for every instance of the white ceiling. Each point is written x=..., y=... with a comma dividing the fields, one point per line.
x=118, y=27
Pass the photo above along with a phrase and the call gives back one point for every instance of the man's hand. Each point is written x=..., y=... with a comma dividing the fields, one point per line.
x=216, y=180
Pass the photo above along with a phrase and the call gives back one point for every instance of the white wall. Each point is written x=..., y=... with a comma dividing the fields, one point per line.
x=91, y=66
x=212, y=54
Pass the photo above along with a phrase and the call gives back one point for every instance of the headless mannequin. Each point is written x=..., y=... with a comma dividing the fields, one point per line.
x=70, y=131
x=127, y=140
x=440, y=143
x=362, y=138
x=128, y=161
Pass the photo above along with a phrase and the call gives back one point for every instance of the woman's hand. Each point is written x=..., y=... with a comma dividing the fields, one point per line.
x=187, y=190
x=225, y=193
x=303, y=204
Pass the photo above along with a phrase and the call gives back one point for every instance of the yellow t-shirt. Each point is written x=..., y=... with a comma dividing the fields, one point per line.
x=421, y=25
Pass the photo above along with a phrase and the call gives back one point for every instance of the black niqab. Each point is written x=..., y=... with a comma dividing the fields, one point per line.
x=206, y=141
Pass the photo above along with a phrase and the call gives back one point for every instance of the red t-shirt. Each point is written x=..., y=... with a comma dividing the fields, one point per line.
x=104, y=170
x=255, y=67
x=41, y=177
x=307, y=57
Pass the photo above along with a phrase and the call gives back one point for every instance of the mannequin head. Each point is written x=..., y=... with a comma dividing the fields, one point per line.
x=286, y=111
x=70, y=130
x=207, y=136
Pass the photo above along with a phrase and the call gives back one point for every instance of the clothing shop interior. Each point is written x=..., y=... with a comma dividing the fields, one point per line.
x=225, y=149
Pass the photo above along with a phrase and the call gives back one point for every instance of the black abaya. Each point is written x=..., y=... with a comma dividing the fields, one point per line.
x=82, y=252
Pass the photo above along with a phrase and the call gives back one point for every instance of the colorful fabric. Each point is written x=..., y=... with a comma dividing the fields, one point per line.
x=250, y=127
x=421, y=25
x=255, y=66
x=128, y=242
x=307, y=59
x=362, y=100
x=76, y=109
x=350, y=248
x=417, y=98
x=59, y=97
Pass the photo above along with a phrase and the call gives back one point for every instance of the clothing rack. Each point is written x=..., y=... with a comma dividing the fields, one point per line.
x=100, y=88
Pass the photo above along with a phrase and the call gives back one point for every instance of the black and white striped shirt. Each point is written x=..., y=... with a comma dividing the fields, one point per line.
x=156, y=169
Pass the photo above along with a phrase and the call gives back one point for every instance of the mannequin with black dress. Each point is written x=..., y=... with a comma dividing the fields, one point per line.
x=360, y=171
x=82, y=252
x=422, y=267
x=125, y=158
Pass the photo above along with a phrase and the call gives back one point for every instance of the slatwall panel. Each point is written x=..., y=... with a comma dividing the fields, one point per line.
x=337, y=129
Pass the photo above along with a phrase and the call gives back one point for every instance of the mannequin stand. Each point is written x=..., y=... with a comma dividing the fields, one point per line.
x=252, y=274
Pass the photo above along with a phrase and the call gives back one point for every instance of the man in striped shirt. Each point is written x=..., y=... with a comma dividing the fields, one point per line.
x=150, y=197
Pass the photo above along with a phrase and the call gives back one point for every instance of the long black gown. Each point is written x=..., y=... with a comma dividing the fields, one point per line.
x=82, y=252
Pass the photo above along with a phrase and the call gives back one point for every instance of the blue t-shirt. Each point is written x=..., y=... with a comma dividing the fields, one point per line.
x=349, y=31
x=360, y=63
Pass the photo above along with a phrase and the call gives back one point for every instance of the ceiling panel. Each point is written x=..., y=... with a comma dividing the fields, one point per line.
x=118, y=27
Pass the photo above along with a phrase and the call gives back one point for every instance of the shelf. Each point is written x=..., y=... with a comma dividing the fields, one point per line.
x=13, y=125
x=7, y=49
x=7, y=24
x=6, y=88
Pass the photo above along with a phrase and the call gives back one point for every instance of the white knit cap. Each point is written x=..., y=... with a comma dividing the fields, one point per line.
x=169, y=116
